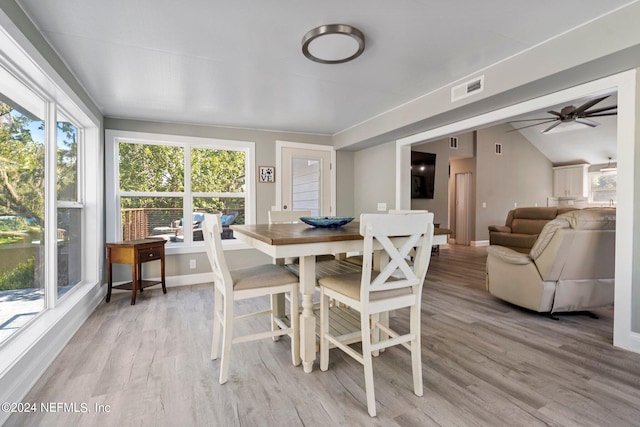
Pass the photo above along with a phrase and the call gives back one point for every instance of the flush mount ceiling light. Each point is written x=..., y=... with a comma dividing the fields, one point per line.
x=333, y=44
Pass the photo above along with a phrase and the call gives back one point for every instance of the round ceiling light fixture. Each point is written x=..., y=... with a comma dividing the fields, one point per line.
x=333, y=44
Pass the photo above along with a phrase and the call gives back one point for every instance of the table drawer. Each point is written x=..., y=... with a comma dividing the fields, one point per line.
x=149, y=254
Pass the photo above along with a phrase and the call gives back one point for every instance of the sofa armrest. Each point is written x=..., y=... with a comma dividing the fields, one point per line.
x=500, y=228
x=508, y=255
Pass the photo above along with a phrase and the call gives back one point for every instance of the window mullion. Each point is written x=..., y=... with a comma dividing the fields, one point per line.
x=51, y=213
x=187, y=200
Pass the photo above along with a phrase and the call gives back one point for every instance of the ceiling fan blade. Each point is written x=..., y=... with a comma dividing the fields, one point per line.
x=601, y=110
x=535, y=124
x=528, y=120
x=615, y=113
x=584, y=107
x=555, y=113
x=552, y=126
x=587, y=122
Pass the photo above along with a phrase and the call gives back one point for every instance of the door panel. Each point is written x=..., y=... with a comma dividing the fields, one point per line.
x=306, y=180
x=463, y=205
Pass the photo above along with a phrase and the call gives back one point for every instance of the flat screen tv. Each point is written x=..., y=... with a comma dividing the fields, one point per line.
x=423, y=175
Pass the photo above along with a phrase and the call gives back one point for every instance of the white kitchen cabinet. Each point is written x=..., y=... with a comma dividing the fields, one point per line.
x=571, y=182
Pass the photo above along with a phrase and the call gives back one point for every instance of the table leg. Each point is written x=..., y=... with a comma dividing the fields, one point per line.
x=134, y=282
x=140, y=288
x=109, y=275
x=307, y=319
x=164, y=283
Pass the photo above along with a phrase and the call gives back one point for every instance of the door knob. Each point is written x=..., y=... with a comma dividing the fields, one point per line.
x=284, y=207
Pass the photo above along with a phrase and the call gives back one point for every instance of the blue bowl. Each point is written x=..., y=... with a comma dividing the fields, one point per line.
x=326, y=221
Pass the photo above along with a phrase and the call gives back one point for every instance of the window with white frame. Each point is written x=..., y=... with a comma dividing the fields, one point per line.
x=69, y=204
x=33, y=273
x=163, y=185
x=602, y=187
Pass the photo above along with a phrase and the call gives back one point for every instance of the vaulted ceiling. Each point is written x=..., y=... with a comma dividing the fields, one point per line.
x=571, y=143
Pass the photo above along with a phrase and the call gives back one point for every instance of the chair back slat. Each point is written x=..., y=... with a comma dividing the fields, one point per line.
x=212, y=233
x=409, y=230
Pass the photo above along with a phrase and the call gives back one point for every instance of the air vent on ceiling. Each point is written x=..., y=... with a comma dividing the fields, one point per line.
x=469, y=88
x=498, y=148
x=453, y=143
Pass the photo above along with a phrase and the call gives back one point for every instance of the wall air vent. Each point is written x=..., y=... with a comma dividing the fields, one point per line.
x=469, y=88
x=498, y=148
x=453, y=143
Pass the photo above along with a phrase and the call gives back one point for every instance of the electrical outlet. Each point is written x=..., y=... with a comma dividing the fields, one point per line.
x=382, y=207
x=192, y=263
x=484, y=204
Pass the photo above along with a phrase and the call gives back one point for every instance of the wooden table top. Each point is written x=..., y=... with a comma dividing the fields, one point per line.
x=291, y=234
x=139, y=242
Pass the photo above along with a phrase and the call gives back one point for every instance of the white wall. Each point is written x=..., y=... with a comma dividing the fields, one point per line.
x=374, y=178
x=520, y=176
x=439, y=205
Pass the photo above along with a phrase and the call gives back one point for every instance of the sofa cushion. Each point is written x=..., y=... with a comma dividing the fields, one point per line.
x=543, y=213
x=528, y=226
x=592, y=219
x=519, y=242
x=543, y=239
x=583, y=219
x=525, y=225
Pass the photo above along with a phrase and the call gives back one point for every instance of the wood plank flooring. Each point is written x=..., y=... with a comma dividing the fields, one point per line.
x=485, y=363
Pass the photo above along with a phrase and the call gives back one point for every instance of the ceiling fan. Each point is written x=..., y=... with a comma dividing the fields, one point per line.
x=568, y=114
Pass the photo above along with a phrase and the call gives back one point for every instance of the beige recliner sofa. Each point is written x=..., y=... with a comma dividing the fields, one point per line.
x=522, y=227
x=571, y=266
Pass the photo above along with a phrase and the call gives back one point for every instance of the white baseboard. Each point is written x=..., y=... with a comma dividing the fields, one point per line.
x=472, y=243
x=175, y=281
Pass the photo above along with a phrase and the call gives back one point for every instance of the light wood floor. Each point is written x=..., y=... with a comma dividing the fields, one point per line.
x=485, y=363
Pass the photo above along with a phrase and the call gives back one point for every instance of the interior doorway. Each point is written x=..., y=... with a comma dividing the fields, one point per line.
x=626, y=332
x=464, y=204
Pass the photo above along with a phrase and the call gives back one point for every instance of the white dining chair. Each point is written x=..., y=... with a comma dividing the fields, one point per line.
x=286, y=217
x=283, y=217
x=357, y=259
x=398, y=285
x=250, y=282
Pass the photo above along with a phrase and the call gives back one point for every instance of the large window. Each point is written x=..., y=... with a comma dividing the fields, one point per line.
x=602, y=187
x=22, y=215
x=33, y=274
x=163, y=185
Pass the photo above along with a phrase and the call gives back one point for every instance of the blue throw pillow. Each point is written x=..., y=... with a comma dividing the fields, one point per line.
x=226, y=219
x=198, y=217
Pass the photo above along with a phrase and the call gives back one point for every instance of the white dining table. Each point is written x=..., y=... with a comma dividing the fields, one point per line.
x=305, y=242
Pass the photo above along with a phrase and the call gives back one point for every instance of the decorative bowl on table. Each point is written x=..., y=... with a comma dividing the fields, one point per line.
x=326, y=221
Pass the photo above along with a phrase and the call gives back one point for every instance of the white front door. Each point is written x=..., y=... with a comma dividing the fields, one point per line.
x=306, y=179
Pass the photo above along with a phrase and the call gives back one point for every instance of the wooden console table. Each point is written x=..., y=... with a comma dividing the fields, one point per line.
x=135, y=252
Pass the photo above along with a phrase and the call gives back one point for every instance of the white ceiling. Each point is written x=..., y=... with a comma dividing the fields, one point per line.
x=239, y=63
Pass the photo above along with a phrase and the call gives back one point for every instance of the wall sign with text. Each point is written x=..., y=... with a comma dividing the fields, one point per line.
x=267, y=174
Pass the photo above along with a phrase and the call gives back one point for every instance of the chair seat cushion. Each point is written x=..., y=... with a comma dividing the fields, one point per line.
x=262, y=276
x=349, y=285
